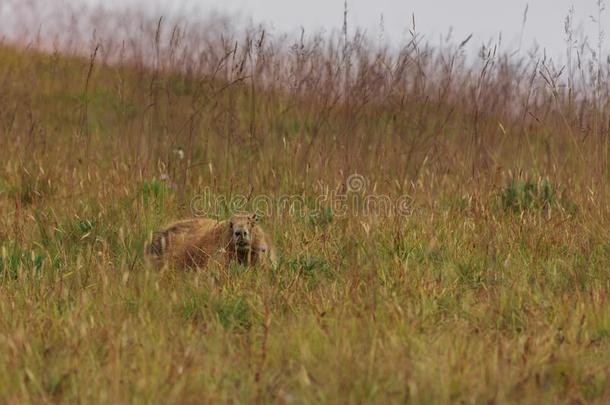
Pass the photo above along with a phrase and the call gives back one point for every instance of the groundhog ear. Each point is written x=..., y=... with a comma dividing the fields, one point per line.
x=253, y=218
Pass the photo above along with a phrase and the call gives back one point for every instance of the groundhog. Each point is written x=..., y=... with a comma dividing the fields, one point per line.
x=195, y=242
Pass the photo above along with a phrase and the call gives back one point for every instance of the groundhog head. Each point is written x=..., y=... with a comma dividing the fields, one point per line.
x=240, y=226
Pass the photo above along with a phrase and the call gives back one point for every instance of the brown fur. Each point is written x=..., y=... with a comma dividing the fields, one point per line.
x=196, y=242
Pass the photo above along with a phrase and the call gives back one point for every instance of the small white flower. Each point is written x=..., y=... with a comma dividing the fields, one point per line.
x=179, y=152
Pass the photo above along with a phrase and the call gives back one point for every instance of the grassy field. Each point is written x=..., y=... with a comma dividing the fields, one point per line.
x=490, y=284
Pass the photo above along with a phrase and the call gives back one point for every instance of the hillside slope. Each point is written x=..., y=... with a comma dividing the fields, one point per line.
x=486, y=279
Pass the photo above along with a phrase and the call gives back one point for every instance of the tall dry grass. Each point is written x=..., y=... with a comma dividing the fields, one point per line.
x=493, y=288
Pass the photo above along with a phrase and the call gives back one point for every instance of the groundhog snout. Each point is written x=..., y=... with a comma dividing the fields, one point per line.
x=241, y=235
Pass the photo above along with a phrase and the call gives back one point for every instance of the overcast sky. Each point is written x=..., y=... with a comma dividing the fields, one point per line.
x=486, y=19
